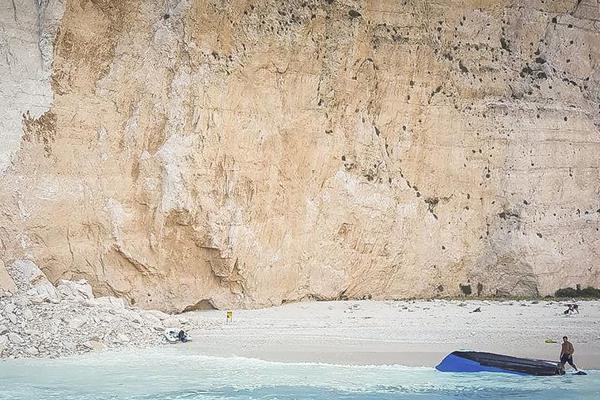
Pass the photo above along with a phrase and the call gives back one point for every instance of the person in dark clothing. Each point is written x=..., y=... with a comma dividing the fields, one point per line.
x=566, y=354
x=182, y=336
x=572, y=309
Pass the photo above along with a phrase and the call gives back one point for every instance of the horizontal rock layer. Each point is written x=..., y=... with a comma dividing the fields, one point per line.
x=193, y=154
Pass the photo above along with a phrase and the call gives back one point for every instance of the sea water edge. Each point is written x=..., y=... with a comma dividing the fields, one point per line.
x=173, y=374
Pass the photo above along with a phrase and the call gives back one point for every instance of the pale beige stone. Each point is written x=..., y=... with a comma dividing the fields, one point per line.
x=95, y=345
x=205, y=154
x=6, y=282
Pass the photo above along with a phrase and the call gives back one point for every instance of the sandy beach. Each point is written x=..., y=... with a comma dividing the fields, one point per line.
x=411, y=333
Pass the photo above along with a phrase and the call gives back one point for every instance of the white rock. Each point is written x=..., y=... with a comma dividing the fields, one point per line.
x=173, y=321
x=122, y=338
x=22, y=301
x=3, y=343
x=3, y=329
x=12, y=318
x=28, y=314
x=49, y=293
x=152, y=319
x=106, y=317
x=32, y=351
x=36, y=299
x=15, y=338
x=132, y=316
x=94, y=345
x=88, y=303
x=54, y=327
x=34, y=277
x=109, y=301
x=76, y=323
x=158, y=314
x=10, y=308
x=80, y=290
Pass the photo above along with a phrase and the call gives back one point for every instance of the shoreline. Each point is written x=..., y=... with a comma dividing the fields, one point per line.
x=40, y=320
x=408, y=333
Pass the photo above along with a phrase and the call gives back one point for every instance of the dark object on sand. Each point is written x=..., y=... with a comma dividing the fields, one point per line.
x=475, y=361
x=478, y=309
x=174, y=335
x=183, y=337
x=573, y=308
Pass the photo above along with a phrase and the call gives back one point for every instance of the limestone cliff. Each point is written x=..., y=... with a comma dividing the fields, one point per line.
x=213, y=153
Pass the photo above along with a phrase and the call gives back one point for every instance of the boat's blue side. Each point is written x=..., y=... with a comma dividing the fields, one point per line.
x=453, y=363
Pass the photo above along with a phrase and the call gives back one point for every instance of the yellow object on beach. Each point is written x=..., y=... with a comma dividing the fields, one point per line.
x=550, y=341
x=229, y=315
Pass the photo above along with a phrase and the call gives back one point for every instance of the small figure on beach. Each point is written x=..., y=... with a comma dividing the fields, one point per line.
x=572, y=309
x=566, y=354
x=174, y=335
x=183, y=337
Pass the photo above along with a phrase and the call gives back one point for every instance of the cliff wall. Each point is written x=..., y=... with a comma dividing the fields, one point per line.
x=195, y=153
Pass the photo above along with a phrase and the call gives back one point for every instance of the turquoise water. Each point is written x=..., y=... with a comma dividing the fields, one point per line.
x=169, y=373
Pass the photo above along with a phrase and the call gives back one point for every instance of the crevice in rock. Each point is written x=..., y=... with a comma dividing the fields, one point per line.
x=202, y=305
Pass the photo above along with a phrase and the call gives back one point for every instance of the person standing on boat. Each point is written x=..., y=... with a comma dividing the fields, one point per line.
x=566, y=353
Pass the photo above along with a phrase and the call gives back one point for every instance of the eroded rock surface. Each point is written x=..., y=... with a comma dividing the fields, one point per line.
x=193, y=154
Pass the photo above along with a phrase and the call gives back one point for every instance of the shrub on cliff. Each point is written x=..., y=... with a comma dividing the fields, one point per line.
x=589, y=292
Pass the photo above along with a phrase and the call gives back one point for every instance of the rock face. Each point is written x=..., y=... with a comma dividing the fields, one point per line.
x=193, y=154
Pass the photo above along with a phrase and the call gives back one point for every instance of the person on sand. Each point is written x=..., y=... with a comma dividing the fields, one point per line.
x=566, y=353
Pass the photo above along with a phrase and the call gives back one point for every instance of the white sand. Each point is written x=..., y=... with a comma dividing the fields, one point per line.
x=412, y=333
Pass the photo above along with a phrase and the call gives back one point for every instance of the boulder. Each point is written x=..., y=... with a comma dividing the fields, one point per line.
x=36, y=299
x=10, y=308
x=15, y=338
x=48, y=293
x=76, y=323
x=33, y=278
x=6, y=282
x=133, y=316
x=107, y=317
x=21, y=301
x=76, y=290
x=3, y=343
x=110, y=302
x=158, y=314
x=12, y=318
x=155, y=322
x=94, y=345
x=28, y=314
x=173, y=321
x=122, y=338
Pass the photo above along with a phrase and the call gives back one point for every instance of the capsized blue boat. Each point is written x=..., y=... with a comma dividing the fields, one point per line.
x=475, y=361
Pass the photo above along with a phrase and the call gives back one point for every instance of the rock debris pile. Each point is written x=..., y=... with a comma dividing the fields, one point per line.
x=38, y=319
